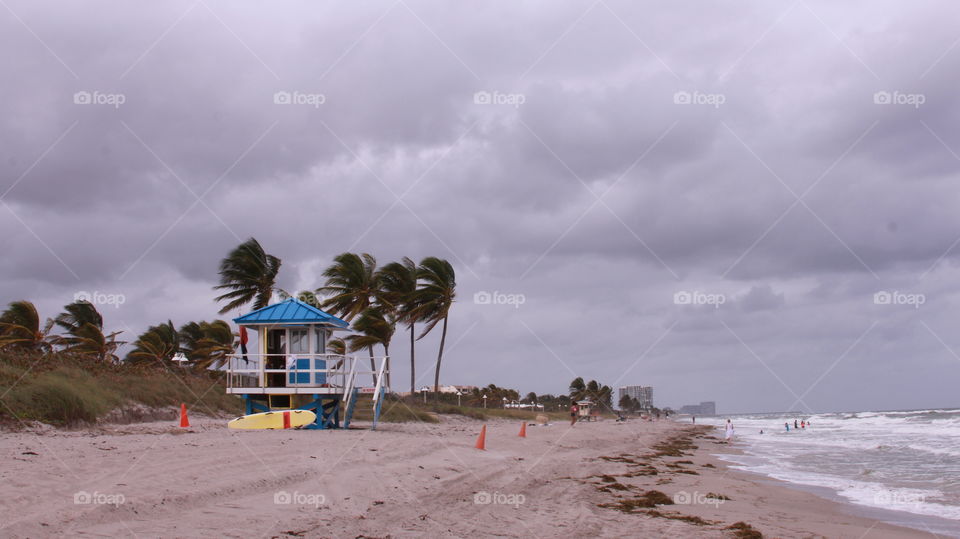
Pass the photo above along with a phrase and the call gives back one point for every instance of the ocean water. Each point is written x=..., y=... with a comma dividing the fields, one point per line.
x=904, y=461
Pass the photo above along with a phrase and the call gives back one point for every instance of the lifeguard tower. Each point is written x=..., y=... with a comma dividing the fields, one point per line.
x=585, y=411
x=291, y=368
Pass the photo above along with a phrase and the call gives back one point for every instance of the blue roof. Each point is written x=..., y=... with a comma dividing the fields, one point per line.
x=291, y=311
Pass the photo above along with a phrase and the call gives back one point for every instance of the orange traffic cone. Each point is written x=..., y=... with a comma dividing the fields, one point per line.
x=184, y=421
x=482, y=439
x=523, y=429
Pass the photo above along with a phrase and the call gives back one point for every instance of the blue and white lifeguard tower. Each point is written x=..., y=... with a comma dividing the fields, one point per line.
x=291, y=368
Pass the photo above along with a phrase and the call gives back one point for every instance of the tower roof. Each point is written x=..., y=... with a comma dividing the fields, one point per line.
x=291, y=311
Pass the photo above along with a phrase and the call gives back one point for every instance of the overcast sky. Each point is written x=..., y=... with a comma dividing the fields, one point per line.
x=702, y=197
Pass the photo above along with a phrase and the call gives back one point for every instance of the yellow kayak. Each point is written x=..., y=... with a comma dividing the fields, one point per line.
x=286, y=419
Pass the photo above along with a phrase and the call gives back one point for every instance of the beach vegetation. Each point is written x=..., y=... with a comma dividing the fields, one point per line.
x=248, y=274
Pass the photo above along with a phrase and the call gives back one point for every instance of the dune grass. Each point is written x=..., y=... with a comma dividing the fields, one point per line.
x=65, y=392
x=480, y=414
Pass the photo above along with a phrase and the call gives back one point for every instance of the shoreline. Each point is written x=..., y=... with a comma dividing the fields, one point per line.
x=931, y=526
x=403, y=480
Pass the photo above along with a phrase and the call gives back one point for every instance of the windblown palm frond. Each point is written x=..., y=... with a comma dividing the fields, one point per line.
x=250, y=274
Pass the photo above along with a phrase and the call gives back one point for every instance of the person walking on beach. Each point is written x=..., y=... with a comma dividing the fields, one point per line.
x=694, y=418
x=729, y=432
x=573, y=413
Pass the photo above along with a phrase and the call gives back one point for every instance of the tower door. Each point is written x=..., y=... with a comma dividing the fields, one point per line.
x=276, y=356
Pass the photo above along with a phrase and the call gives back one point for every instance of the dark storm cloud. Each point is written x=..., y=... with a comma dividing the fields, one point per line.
x=635, y=154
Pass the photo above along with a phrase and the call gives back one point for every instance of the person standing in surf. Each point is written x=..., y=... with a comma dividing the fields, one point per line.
x=728, y=435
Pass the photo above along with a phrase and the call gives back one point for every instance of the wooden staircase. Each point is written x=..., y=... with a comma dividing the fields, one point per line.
x=361, y=407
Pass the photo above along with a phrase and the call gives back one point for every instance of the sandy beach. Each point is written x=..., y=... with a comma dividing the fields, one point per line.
x=403, y=480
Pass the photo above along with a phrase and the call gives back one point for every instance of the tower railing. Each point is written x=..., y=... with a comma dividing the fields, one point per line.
x=303, y=371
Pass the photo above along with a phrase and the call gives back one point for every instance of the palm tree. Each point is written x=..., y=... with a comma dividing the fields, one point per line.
x=578, y=390
x=337, y=346
x=77, y=314
x=83, y=326
x=250, y=274
x=352, y=285
x=207, y=345
x=398, y=284
x=89, y=340
x=374, y=329
x=432, y=301
x=20, y=328
x=157, y=344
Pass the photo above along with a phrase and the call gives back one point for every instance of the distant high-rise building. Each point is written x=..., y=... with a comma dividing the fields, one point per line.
x=642, y=394
x=704, y=408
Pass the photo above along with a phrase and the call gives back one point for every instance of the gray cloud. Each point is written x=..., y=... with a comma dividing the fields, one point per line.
x=694, y=196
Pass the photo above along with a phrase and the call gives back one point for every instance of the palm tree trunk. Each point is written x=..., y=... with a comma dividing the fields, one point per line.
x=443, y=338
x=373, y=366
x=386, y=352
x=413, y=369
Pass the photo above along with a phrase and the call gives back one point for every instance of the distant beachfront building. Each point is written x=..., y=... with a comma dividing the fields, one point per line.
x=642, y=394
x=704, y=408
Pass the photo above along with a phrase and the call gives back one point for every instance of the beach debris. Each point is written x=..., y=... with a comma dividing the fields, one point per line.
x=676, y=516
x=742, y=530
x=29, y=453
x=649, y=499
